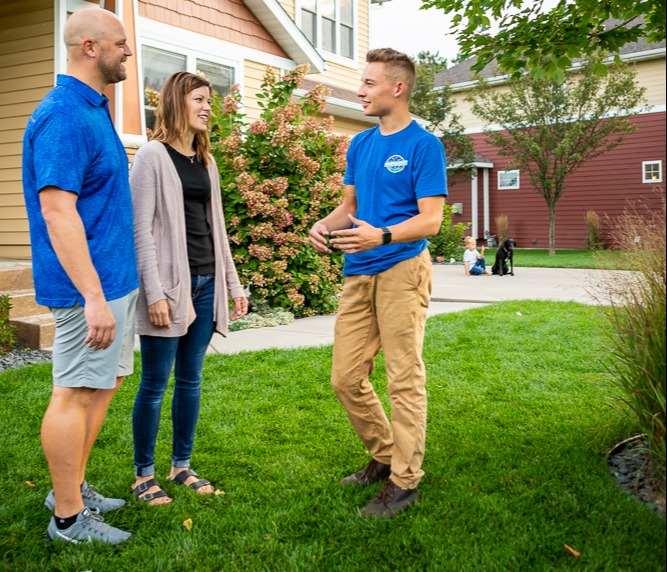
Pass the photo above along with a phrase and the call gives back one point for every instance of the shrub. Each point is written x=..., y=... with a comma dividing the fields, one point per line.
x=447, y=243
x=7, y=330
x=637, y=342
x=279, y=175
x=593, y=241
x=502, y=224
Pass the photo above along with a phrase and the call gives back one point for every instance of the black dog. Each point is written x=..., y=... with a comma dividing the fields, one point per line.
x=504, y=255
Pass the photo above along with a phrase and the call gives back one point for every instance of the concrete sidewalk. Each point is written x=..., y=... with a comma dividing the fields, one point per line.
x=452, y=292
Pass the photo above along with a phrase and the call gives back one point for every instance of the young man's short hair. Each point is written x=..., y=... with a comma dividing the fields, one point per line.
x=398, y=65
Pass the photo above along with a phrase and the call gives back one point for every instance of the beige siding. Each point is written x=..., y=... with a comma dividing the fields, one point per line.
x=650, y=74
x=253, y=78
x=344, y=126
x=463, y=109
x=26, y=75
x=290, y=7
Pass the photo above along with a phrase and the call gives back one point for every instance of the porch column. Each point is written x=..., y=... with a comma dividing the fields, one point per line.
x=485, y=193
x=474, y=205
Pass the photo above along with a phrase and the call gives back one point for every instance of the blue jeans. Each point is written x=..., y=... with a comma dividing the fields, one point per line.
x=158, y=356
x=479, y=267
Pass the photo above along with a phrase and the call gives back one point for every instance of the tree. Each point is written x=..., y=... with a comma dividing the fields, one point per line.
x=545, y=42
x=435, y=106
x=549, y=129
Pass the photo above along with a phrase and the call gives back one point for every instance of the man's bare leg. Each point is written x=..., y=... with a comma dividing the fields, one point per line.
x=94, y=420
x=64, y=429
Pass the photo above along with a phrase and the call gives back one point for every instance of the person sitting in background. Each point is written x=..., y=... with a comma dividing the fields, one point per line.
x=474, y=262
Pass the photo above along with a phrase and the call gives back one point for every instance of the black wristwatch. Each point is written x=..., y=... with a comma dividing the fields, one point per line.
x=386, y=235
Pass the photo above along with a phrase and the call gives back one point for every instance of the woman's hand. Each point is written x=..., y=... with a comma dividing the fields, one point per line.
x=240, y=308
x=158, y=314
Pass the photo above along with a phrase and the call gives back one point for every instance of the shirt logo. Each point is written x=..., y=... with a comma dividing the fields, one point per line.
x=395, y=164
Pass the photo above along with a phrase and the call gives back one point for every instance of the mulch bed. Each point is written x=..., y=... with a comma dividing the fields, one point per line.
x=629, y=465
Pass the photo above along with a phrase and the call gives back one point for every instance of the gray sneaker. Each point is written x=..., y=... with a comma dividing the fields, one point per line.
x=91, y=499
x=88, y=528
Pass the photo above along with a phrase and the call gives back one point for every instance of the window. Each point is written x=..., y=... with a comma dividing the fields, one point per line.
x=508, y=179
x=159, y=64
x=651, y=171
x=329, y=25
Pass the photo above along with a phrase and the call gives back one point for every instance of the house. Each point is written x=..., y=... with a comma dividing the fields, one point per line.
x=630, y=174
x=231, y=41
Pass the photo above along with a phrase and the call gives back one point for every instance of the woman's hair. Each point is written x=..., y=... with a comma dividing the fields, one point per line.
x=398, y=66
x=171, y=119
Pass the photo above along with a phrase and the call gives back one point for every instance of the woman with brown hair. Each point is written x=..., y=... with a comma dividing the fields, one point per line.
x=187, y=276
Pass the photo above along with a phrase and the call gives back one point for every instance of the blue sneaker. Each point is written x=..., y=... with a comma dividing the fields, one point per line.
x=91, y=499
x=88, y=528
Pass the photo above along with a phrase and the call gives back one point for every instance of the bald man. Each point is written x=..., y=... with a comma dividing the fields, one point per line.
x=75, y=180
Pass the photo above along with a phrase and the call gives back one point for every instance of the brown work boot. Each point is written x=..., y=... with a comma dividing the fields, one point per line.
x=391, y=500
x=373, y=473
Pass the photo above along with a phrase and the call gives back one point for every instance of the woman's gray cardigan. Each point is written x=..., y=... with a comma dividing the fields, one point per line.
x=160, y=236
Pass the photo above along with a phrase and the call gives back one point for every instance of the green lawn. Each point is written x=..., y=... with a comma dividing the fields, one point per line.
x=564, y=258
x=520, y=420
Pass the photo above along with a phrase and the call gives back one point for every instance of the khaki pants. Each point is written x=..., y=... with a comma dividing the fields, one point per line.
x=386, y=311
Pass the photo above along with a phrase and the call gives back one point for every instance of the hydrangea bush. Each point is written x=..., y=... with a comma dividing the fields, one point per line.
x=279, y=175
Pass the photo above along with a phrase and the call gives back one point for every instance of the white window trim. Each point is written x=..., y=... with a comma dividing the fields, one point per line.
x=509, y=187
x=652, y=181
x=333, y=57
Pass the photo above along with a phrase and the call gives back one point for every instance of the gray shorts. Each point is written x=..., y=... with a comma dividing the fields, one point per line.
x=75, y=364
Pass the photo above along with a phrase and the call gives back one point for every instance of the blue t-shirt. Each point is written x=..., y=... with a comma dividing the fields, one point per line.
x=390, y=174
x=70, y=143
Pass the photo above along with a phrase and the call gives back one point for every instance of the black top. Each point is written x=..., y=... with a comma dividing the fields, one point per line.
x=196, y=198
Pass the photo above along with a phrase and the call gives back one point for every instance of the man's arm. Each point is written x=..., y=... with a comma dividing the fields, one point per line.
x=364, y=236
x=68, y=238
x=338, y=219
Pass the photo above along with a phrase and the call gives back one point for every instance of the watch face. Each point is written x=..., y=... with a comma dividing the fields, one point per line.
x=386, y=236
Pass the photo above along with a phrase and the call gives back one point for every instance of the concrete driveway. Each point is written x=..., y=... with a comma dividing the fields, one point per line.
x=452, y=292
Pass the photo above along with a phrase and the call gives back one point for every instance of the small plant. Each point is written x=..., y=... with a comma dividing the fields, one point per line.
x=262, y=317
x=7, y=330
x=447, y=243
x=637, y=317
x=502, y=225
x=593, y=241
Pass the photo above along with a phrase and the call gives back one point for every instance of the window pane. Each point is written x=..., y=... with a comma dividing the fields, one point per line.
x=328, y=9
x=221, y=77
x=346, y=42
x=652, y=171
x=158, y=66
x=310, y=5
x=308, y=26
x=328, y=35
x=508, y=179
x=346, y=16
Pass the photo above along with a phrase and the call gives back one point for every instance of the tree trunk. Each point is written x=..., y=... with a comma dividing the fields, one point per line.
x=552, y=229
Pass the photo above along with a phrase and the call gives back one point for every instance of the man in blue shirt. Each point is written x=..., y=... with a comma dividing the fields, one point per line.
x=75, y=179
x=395, y=184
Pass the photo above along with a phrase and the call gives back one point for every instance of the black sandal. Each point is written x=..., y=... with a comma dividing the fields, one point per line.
x=141, y=494
x=183, y=476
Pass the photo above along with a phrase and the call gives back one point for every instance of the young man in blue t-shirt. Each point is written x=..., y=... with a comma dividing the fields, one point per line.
x=395, y=186
x=76, y=187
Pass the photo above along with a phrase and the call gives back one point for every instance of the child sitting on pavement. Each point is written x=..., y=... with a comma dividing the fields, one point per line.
x=474, y=263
